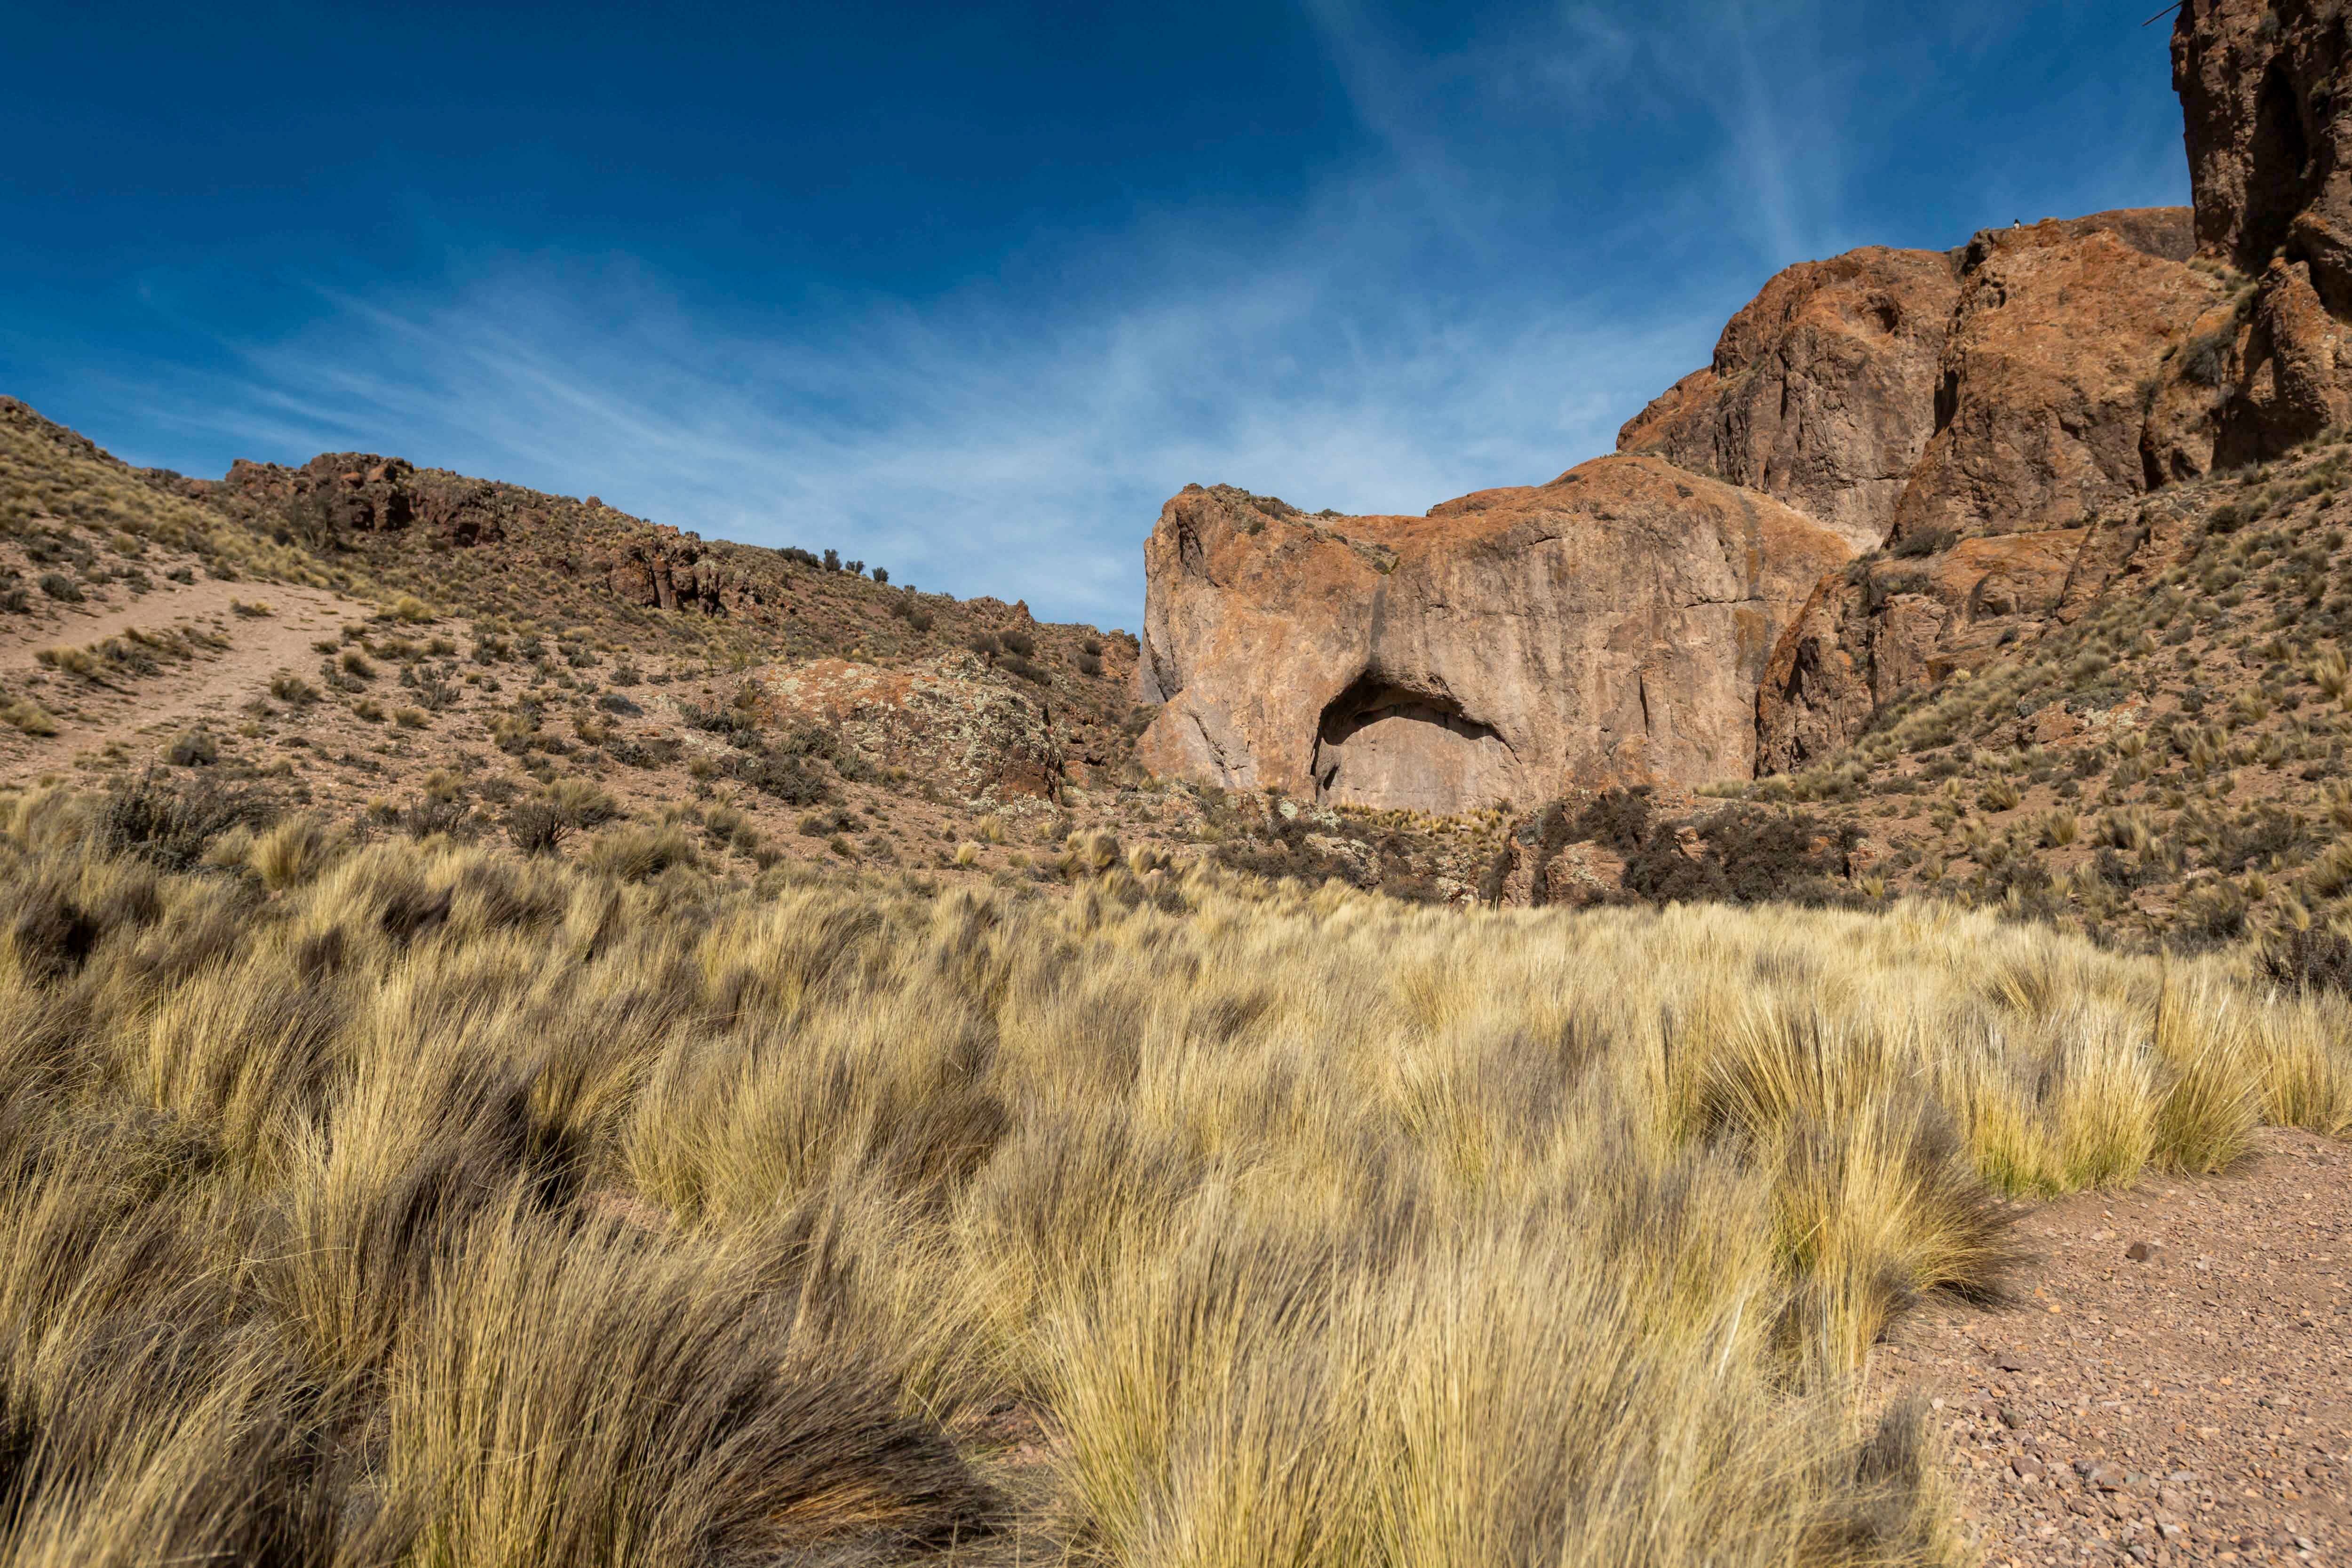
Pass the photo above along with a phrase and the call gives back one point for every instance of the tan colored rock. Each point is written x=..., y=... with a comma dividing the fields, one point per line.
x=1576, y=875
x=1822, y=389
x=2167, y=233
x=1608, y=627
x=953, y=722
x=2055, y=346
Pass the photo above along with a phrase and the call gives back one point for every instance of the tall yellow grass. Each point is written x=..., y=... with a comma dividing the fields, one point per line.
x=406, y=1203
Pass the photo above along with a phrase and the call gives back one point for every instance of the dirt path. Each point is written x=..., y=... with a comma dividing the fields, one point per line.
x=2174, y=1386
x=130, y=709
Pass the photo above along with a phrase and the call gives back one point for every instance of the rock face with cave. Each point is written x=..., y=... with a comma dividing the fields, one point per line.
x=1985, y=427
x=1608, y=627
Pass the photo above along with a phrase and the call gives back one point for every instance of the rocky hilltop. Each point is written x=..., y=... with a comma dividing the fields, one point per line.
x=1897, y=464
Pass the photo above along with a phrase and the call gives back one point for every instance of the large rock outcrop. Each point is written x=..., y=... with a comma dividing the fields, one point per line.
x=2042, y=402
x=2267, y=118
x=2060, y=349
x=1991, y=416
x=1608, y=627
x=1823, y=390
x=2268, y=124
x=1890, y=624
x=340, y=500
x=954, y=723
x=2053, y=400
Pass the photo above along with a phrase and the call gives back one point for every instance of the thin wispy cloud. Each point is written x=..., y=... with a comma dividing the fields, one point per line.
x=1479, y=299
x=960, y=446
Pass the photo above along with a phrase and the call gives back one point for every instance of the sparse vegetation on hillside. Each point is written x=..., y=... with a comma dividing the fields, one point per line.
x=68, y=503
x=401, y=1201
x=496, y=638
x=2165, y=763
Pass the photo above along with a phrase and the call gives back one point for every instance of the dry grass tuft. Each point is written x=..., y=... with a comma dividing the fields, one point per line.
x=404, y=1201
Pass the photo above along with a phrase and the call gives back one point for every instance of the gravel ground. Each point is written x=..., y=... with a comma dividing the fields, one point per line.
x=2173, y=1383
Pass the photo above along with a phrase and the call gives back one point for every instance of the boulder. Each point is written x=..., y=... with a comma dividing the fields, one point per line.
x=660, y=567
x=952, y=722
x=333, y=494
x=1607, y=627
x=1823, y=390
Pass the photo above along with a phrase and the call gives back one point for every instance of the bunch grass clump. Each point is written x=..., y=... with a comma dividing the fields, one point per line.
x=412, y=1201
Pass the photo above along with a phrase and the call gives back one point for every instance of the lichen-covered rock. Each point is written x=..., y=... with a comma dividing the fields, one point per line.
x=952, y=722
x=1608, y=627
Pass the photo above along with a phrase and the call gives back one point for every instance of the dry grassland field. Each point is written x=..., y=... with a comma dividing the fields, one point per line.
x=413, y=1202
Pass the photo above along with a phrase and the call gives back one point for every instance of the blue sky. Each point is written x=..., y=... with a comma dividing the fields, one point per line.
x=969, y=291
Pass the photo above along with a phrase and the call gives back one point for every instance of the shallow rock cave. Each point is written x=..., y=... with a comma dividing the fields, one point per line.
x=1392, y=748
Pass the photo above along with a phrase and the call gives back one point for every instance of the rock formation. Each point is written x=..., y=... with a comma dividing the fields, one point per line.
x=1944, y=400
x=2054, y=407
x=2265, y=119
x=342, y=494
x=1823, y=391
x=954, y=723
x=2058, y=350
x=1982, y=425
x=1890, y=624
x=2041, y=406
x=1608, y=627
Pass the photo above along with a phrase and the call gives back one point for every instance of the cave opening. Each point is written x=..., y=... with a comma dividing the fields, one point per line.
x=1393, y=748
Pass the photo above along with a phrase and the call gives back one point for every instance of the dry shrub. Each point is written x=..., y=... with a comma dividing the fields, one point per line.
x=635, y=853
x=171, y=824
x=28, y=715
x=679, y=1416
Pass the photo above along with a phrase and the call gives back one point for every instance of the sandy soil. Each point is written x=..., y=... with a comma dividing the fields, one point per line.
x=2174, y=1383
x=130, y=709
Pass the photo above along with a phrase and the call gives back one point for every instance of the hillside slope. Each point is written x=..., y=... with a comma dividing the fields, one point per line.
x=404, y=650
x=2163, y=755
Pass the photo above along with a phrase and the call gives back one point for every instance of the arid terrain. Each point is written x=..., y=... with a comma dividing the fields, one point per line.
x=1781, y=997
x=2171, y=1375
x=270, y=635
